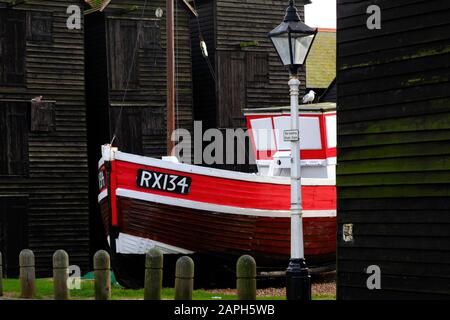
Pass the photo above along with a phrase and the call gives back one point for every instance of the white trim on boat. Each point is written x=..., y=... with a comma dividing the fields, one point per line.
x=218, y=208
x=305, y=163
x=219, y=173
x=102, y=195
x=319, y=213
x=225, y=174
x=332, y=161
x=129, y=244
x=288, y=112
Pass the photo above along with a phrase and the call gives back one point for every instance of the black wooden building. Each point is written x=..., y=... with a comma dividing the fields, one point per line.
x=247, y=70
x=126, y=83
x=43, y=150
x=393, y=177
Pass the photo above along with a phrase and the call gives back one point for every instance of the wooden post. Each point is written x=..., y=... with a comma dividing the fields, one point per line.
x=1, y=275
x=246, y=278
x=184, y=278
x=102, y=275
x=60, y=275
x=27, y=274
x=153, y=274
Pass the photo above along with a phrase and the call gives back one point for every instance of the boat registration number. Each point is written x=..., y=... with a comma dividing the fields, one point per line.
x=163, y=181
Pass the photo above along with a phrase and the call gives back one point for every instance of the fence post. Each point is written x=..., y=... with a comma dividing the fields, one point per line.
x=1, y=275
x=184, y=278
x=246, y=278
x=27, y=274
x=60, y=275
x=153, y=274
x=102, y=275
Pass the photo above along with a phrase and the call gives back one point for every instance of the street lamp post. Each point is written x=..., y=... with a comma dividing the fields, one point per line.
x=292, y=40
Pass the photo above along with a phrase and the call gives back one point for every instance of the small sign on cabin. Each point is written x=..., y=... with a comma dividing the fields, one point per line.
x=291, y=135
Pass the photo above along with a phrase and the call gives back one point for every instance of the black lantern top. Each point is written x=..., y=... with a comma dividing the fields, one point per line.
x=292, y=39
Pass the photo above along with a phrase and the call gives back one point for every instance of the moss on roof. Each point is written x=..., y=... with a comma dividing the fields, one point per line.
x=96, y=5
x=321, y=63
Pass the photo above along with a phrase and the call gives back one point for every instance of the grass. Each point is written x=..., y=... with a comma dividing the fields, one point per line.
x=44, y=290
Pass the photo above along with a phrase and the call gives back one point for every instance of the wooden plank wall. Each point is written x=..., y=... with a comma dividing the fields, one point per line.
x=204, y=86
x=109, y=58
x=97, y=110
x=248, y=71
x=247, y=21
x=393, y=172
x=55, y=183
x=247, y=77
x=145, y=102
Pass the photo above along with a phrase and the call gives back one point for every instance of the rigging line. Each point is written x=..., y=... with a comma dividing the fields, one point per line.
x=176, y=68
x=200, y=35
x=119, y=118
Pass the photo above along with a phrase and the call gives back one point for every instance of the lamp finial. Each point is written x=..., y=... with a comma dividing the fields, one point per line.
x=291, y=13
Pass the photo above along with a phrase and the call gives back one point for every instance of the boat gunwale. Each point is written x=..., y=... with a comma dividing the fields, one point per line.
x=213, y=172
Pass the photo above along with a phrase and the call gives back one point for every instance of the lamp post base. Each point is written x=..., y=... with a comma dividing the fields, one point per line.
x=298, y=281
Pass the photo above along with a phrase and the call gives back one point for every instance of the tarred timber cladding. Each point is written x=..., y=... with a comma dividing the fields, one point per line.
x=239, y=21
x=147, y=89
x=393, y=176
x=111, y=38
x=248, y=77
x=203, y=81
x=56, y=183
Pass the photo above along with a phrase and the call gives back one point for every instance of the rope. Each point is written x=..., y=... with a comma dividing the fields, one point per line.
x=119, y=118
x=200, y=35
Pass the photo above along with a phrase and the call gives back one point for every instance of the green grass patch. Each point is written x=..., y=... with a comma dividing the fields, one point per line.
x=44, y=290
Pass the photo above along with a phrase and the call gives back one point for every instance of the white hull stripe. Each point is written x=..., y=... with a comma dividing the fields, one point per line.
x=102, y=195
x=128, y=244
x=219, y=208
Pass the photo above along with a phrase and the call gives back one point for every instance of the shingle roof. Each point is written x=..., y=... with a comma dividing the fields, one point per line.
x=321, y=63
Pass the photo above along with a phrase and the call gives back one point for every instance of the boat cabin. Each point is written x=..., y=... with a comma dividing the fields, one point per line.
x=317, y=140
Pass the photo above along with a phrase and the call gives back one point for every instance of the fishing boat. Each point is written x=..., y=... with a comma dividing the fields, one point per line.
x=218, y=215
x=193, y=210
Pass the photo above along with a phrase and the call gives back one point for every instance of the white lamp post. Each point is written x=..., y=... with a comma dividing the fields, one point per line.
x=293, y=40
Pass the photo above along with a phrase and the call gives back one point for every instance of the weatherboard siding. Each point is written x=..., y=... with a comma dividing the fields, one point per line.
x=248, y=70
x=55, y=186
x=204, y=86
x=111, y=38
x=393, y=176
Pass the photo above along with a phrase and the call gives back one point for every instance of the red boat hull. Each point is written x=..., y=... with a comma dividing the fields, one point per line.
x=219, y=213
x=217, y=233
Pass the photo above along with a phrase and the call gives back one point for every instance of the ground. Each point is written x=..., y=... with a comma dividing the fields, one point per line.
x=322, y=289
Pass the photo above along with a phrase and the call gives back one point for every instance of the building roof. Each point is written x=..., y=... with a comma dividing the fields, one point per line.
x=321, y=63
x=330, y=95
x=96, y=5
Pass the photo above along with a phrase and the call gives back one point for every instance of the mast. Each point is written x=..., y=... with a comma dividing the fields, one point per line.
x=170, y=74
